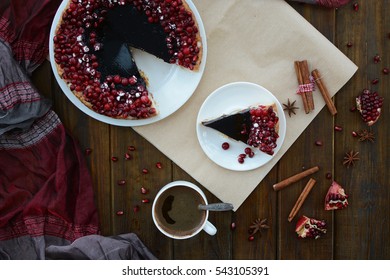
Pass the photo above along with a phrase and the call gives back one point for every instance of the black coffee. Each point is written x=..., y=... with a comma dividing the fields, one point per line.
x=176, y=211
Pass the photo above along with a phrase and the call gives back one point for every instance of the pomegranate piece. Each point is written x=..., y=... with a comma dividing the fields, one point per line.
x=336, y=197
x=369, y=105
x=225, y=145
x=310, y=228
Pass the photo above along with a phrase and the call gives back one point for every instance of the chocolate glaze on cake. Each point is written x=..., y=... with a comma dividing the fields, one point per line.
x=93, y=55
x=256, y=126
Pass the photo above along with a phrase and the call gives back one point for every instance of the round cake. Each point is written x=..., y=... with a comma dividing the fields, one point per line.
x=93, y=50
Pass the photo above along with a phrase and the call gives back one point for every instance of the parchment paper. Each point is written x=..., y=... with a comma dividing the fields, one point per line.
x=255, y=41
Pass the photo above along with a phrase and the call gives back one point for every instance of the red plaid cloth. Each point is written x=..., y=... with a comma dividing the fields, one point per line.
x=46, y=194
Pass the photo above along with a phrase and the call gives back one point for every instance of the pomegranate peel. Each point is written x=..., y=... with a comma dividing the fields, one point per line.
x=336, y=198
x=310, y=228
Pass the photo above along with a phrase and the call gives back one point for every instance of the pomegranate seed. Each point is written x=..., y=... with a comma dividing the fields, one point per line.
x=135, y=208
x=241, y=160
x=144, y=190
x=349, y=44
x=225, y=145
x=119, y=213
x=233, y=226
x=385, y=71
x=355, y=6
x=251, y=154
x=328, y=175
x=159, y=165
x=338, y=128
x=114, y=159
x=145, y=200
x=251, y=238
x=145, y=171
x=121, y=182
x=127, y=156
x=352, y=109
x=248, y=151
x=354, y=134
x=88, y=151
x=318, y=143
x=131, y=148
x=377, y=58
x=117, y=79
x=375, y=81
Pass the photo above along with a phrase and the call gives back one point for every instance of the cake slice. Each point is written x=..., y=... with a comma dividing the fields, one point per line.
x=257, y=126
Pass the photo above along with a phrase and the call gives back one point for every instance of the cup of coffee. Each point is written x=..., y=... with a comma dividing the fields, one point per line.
x=175, y=211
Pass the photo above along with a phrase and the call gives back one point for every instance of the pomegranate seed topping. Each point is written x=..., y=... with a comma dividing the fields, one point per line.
x=318, y=143
x=159, y=165
x=119, y=213
x=114, y=159
x=338, y=128
x=385, y=71
x=225, y=145
x=117, y=79
x=88, y=151
x=144, y=190
x=121, y=182
x=145, y=200
x=136, y=209
x=145, y=171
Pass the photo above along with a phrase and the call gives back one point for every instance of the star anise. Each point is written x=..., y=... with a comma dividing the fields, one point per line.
x=350, y=158
x=366, y=135
x=258, y=225
x=290, y=108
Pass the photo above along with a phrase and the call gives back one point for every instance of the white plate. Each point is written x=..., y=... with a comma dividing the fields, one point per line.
x=170, y=84
x=225, y=100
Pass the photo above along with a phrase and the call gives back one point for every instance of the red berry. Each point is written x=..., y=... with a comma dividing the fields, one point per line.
x=225, y=145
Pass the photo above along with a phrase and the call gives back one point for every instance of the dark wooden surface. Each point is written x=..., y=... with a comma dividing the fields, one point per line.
x=361, y=231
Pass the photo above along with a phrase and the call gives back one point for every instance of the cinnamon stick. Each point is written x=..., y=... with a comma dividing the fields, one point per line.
x=288, y=181
x=302, y=197
x=300, y=82
x=306, y=80
x=324, y=92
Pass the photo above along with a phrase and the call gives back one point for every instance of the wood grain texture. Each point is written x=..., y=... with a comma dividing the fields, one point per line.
x=360, y=231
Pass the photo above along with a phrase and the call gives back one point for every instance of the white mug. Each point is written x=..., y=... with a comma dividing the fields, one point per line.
x=205, y=225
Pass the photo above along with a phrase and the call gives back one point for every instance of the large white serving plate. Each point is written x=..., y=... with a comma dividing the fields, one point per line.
x=225, y=100
x=170, y=84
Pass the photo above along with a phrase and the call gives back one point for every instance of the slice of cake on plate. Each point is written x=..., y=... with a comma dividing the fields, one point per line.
x=256, y=126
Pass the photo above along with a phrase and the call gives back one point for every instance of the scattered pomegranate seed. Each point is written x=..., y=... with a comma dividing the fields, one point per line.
x=121, y=182
x=225, y=145
x=240, y=160
x=318, y=143
x=145, y=200
x=159, y=165
x=338, y=128
x=127, y=156
x=354, y=134
x=251, y=238
x=135, y=208
x=114, y=159
x=375, y=81
x=385, y=71
x=251, y=154
x=144, y=190
x=88, y=151
x=131, y=148
x=248, y=151
x=349, y=44
x=355, y=6
x=377, y=58
x=145, y=171
x=119, y=213
x=233, y=226
x=352, y=109
x=328, y=175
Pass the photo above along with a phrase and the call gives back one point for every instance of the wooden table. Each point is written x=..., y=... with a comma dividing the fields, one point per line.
x=362, y=231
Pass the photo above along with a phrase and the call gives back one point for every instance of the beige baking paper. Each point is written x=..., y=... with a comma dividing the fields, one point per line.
x=255, y=41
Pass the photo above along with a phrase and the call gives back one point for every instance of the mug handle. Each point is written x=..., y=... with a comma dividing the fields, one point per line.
x=210, y=228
